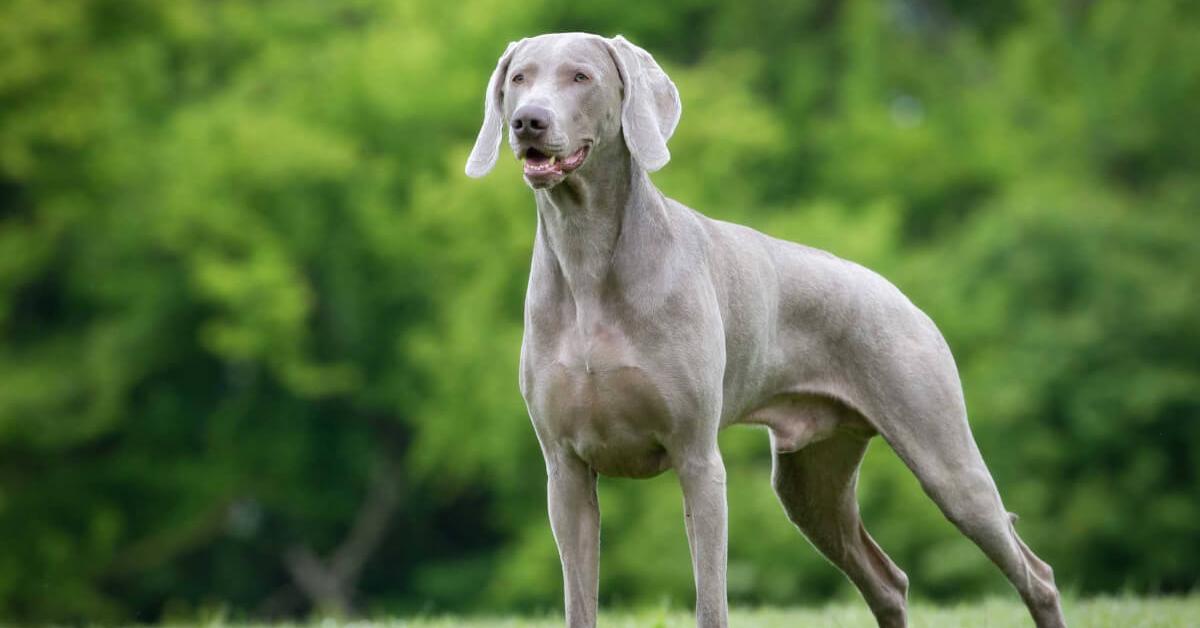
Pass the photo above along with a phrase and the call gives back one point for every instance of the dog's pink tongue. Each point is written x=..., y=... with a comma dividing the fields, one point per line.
x=574, y=160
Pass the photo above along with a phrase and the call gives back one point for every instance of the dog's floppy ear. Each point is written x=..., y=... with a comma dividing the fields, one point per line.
x=487, y=145
x=650, y=105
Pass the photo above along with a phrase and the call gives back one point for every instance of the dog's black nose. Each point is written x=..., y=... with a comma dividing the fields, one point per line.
x=531, y=121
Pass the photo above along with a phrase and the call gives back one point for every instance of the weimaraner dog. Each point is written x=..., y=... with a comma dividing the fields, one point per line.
x=649, y=327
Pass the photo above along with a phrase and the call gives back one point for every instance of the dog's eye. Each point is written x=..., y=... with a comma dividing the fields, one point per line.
x=518, y=78
x=580, y=77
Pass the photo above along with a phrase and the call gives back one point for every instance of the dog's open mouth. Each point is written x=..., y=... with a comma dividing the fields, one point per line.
x=539, y=165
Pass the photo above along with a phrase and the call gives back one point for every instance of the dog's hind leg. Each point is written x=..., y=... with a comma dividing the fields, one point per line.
x=816, y=486
x=942, y=453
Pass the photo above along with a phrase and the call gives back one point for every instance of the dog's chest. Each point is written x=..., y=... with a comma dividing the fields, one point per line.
x=595, y=394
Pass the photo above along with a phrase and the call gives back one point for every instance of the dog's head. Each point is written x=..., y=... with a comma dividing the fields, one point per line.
x=561, y=96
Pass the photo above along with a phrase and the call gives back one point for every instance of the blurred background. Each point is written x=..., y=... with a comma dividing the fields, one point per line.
x=259, y=334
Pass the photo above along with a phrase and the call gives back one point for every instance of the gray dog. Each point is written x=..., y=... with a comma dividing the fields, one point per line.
x=649, y=327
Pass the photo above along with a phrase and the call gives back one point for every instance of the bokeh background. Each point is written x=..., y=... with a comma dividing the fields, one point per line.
x=259, y=334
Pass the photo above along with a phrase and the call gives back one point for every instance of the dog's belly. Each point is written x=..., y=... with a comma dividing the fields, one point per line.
x=610, y=412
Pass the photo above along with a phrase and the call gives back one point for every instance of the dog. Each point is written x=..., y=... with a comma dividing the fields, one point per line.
x=649, y=327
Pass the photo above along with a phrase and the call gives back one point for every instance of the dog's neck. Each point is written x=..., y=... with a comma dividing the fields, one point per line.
x=581, y=221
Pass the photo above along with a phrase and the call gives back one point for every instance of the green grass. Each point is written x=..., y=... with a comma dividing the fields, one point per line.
x=1124, y=612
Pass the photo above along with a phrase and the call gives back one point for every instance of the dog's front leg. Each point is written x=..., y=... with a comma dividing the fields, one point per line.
x=702, y=478
x=575, y=519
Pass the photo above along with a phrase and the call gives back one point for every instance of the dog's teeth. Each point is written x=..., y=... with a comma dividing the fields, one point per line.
x=553, y=160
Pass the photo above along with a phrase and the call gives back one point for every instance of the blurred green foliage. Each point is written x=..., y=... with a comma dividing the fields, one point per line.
x=244, y=287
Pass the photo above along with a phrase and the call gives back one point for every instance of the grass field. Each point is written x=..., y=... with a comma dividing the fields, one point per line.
x=1130, y=612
